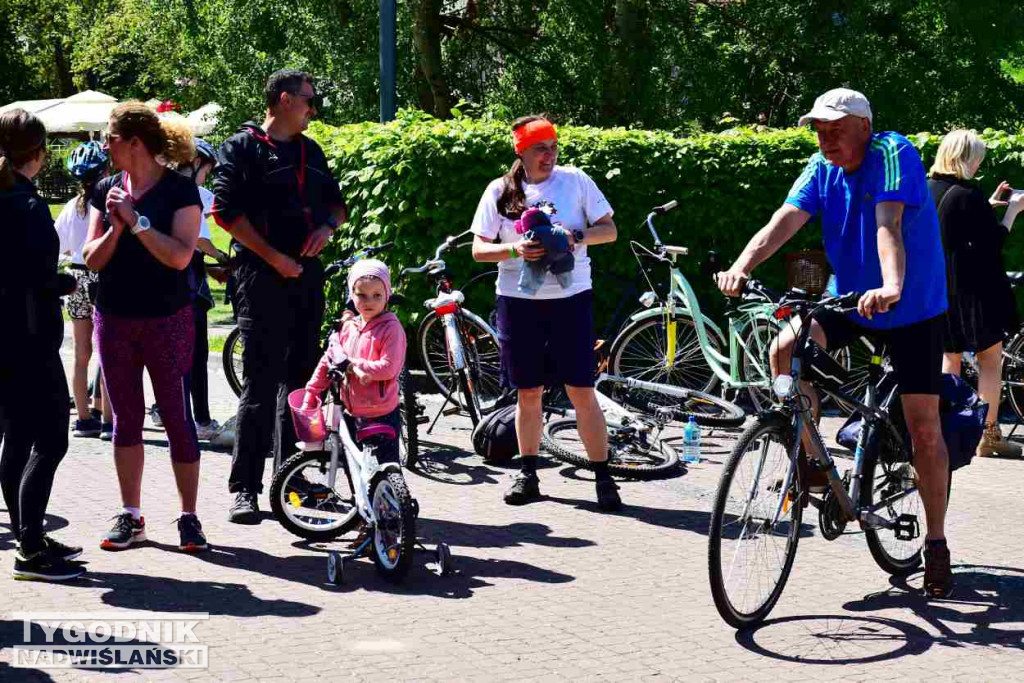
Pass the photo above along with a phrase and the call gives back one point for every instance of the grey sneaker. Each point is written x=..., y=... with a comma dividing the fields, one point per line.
x=154, y=415
x=207, y=431
x=245, y=510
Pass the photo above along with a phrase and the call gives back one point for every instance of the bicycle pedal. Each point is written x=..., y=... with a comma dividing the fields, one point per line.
x=906, y=527
x=448, y=412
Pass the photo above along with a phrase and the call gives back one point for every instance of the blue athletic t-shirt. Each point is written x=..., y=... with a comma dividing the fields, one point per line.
x=891, y=172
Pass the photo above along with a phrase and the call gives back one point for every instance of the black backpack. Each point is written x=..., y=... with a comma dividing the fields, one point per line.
x=494, y=437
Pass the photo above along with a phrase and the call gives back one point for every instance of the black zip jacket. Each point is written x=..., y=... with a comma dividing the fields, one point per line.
x=286, y=190
x=30, y=286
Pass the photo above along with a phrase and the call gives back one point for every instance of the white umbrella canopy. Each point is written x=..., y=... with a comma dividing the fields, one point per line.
x=87, y=111
x=204, y=119
x=31, y=106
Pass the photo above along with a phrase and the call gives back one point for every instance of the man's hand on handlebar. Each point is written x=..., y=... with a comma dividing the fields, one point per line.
x=877, y=301
x=732, y=281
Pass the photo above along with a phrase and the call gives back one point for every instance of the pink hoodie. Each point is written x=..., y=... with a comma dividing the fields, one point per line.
x=378, y=348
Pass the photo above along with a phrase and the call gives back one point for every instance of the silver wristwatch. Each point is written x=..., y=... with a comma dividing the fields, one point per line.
x=141, y=225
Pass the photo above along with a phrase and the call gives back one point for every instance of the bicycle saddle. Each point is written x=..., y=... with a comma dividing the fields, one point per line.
x=375, y=429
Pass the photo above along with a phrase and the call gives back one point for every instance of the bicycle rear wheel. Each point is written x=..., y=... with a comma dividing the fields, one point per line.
x=1013, y=375
x=394, y=537
x=409, y=439
x=884, y=480
x=629, y=454
x=231, y=358
x=749, y=556
x=641, y=351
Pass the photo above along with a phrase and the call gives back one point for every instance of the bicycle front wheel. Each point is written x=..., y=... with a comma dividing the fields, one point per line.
x=1013, y=375
x=641, y=351
x=394, y=537
x=756, y=368
x=231, y=358
x=303, y=502
x=750, y=549
x=629, y=453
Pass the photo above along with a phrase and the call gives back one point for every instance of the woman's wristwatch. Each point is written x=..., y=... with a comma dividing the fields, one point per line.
x=578, y=235
x=142, y=224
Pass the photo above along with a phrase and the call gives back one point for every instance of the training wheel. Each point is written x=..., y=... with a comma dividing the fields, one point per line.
x=335, y=568
x=444, y=559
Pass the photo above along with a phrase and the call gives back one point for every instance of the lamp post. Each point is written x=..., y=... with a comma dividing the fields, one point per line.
x=388, y=52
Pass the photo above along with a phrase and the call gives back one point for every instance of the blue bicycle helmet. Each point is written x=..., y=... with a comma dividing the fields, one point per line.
x=86, y=159
x=204, y=150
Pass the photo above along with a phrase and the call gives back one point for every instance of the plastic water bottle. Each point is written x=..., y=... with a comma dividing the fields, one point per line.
x=691, y=442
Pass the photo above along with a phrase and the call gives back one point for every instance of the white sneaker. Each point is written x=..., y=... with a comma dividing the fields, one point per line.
x=207, y=431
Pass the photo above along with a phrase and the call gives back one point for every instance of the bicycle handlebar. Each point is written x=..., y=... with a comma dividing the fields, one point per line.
x=335, y=267
x=449, y=242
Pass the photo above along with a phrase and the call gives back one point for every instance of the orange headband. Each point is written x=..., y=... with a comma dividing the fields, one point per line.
x=528, y=135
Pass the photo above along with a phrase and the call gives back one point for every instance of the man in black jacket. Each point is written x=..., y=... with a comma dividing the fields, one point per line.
x=277, y=198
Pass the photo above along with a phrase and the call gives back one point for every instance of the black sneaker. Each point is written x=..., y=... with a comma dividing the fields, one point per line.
x=60, y=550
x=246, y=509
x=608, y=496
x=42, y=566
x=96, y=414
x=191, y=532
x=525, y=489
x=125, y=532
x=107, y=431
x=90, y=427
x=938, y=575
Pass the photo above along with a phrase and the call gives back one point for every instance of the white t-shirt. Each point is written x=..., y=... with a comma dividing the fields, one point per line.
x=72, y=230
x=207, y=198
x=578, y=204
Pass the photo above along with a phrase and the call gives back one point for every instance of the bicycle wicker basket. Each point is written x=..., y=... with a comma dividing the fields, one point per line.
x=807, y=270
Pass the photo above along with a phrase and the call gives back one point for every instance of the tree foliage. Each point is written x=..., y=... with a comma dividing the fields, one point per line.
x=668, y=64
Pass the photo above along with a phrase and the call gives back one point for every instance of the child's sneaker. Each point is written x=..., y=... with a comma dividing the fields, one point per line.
x=207, y=431
x=107, y=431
x=126, y=531
x=87, y=428
x=191, y=533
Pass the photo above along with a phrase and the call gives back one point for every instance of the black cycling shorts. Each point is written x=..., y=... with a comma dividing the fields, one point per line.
x=915, y=350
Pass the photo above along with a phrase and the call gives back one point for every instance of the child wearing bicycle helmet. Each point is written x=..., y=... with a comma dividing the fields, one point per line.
x=87, y=164
x=373, y=341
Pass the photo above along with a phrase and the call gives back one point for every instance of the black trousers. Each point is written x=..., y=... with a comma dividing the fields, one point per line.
x=280, y=324
x=34, y=421
x=198, y=377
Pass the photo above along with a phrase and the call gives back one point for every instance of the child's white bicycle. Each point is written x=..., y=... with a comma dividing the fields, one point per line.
x=319, y=495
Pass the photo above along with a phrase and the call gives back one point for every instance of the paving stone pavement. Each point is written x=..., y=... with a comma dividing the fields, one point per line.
x=547, y=592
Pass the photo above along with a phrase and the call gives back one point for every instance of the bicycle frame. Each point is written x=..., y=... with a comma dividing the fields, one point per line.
x=683, y=301
x=874, y=419
x=362, y=466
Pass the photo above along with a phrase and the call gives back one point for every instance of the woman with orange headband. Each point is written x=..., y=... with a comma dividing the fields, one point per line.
x=547, y=337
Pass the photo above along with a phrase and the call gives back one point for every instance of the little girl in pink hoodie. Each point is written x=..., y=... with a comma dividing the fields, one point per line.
x=374, y=343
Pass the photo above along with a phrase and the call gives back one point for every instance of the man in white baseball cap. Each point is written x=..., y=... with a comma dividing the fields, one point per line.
x=881, y=235
x=837, y=103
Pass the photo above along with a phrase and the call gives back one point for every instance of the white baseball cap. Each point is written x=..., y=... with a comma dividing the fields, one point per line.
x=837, y=103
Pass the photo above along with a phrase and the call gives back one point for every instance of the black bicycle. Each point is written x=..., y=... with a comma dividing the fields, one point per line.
x=758, y=510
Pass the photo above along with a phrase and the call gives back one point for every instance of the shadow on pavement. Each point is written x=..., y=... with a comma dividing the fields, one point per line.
x=835, y=639
x=987, y=606
x=696, y=521
x=51, y=524
x=167, y=594
x=311, y=570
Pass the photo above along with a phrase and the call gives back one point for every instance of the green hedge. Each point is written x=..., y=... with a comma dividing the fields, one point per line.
x=418, y=179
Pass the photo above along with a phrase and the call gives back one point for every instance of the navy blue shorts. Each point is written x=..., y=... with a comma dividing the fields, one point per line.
x=545, y=342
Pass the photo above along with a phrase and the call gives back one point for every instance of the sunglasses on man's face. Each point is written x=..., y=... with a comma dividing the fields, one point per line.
x=313, y=100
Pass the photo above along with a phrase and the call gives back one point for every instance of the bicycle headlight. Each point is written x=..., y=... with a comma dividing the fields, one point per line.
x=783, y=386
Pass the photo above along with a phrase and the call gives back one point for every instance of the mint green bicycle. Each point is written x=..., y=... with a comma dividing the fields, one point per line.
x=671, y=342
